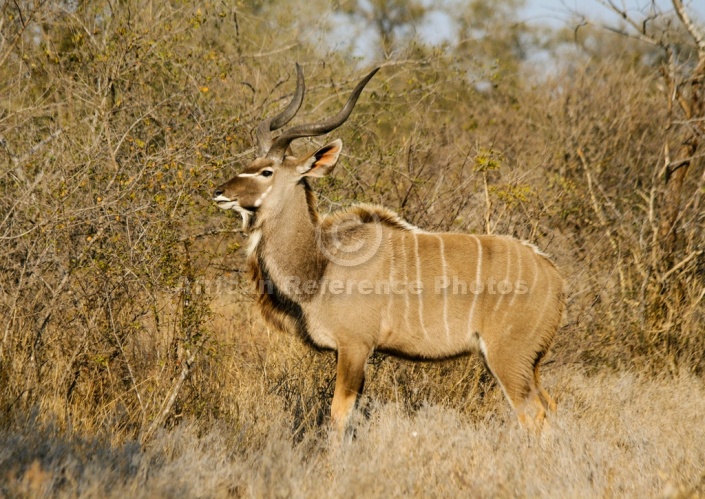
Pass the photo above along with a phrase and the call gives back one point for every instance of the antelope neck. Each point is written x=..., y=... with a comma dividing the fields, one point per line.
x=288, y=246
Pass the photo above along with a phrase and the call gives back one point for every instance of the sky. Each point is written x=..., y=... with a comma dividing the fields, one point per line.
x=437, y=27
x=556, y=12
x=559, y=13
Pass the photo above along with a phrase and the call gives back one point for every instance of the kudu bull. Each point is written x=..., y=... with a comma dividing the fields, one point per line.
x=363, y=279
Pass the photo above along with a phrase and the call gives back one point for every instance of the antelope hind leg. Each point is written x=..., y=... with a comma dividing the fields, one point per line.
x=546, y=399
x=536, y=403
x=531, y=412
x=520, y=385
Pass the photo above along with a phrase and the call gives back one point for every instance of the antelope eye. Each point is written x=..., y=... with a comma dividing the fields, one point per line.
x=267, y=173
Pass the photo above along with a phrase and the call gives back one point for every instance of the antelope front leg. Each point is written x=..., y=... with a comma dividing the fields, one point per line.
x=348, y=384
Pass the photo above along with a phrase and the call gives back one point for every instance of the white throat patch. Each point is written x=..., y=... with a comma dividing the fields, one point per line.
x=246, y=215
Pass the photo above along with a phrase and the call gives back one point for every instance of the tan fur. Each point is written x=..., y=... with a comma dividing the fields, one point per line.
x=367, y=213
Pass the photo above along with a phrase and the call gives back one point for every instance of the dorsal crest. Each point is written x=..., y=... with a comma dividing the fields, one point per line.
x=369, y=213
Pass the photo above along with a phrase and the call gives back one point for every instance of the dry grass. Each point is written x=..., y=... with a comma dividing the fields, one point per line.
x=614, y=435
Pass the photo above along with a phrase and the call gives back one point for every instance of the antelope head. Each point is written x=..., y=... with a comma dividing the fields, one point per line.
x=275, y=170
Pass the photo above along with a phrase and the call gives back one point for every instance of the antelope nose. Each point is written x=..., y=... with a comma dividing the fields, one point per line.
x=218, y=192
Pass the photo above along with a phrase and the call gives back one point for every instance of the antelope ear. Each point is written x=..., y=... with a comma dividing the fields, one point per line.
x=321, y=163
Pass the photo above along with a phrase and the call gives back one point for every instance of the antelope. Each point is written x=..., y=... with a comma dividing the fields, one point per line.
x=362, y=279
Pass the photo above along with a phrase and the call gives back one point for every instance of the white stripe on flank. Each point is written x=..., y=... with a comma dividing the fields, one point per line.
x=478, y=283
x=536, y=274
x=506, y=279
x=445, y=293
x=519, y=280
x=390, y=299
x=418, y=283
x=543, y=309
x=406, y=284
